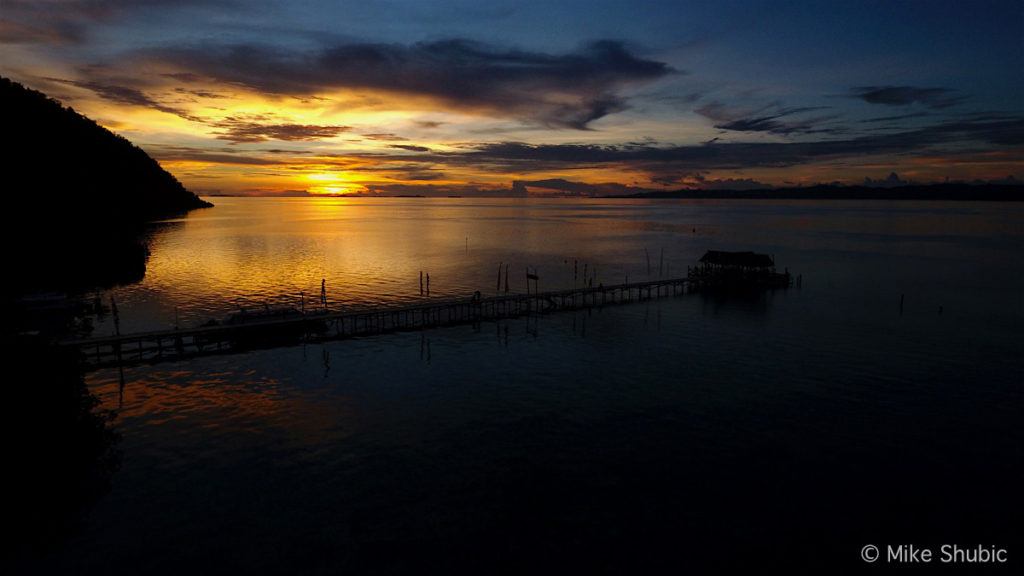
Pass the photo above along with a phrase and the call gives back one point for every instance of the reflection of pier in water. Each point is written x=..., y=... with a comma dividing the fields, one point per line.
x=175, y=344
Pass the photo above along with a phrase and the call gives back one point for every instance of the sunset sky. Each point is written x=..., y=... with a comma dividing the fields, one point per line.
x=589, y=97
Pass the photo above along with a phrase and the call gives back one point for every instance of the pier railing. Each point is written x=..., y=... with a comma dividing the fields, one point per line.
x=174, y=344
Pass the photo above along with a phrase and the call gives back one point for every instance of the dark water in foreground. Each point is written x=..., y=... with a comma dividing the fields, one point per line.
x=789, y=429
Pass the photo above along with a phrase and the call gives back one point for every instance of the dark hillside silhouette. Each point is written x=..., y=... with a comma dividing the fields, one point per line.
x=78, y=200
x=78, y=195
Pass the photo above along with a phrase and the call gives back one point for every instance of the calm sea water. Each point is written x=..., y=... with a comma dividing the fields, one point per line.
x=787, y=429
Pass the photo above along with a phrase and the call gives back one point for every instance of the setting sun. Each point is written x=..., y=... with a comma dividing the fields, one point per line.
x=323, y=177
x=332, y=184
x=335, y=190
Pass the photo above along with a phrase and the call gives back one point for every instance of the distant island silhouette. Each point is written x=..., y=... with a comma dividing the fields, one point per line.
x=944, y=191
x=81, y=195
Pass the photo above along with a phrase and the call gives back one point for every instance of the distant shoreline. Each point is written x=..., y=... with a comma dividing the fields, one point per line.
x=937, y=192
x=958, y=192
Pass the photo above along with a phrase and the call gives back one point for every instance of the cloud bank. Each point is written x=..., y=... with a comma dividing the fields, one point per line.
x=568, y=90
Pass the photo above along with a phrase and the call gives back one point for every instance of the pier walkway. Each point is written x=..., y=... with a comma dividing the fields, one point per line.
x=176, y=344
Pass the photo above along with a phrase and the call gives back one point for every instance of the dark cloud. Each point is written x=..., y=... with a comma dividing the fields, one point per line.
x=69, y=21
x=386, y=136
x=946, y=138
x=45, y=32
x=682, y=99
x=186, y=153
x=435, y=190
x=410, y=147
x=382, y=163
x=256, y=129
x=186, y=77
x=558, y=90
x=115, y=93
x=897, y=117
x=125, y=95
x=202, y=93
x=772, y=125
x=425, y=175
x=905, y=95
x=571, y=188
x=282, y=151
x=772, y=119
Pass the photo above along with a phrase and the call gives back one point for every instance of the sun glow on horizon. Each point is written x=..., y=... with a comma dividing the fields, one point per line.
x=332, y=184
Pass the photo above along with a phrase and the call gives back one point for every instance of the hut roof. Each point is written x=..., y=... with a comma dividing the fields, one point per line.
x=742, y=259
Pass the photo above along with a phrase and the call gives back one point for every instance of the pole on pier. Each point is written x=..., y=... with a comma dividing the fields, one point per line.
x=497, y=289
x=533, y=277
x=648, y=256
x=506, y=278
x=428, y=284
x=117, y=316
x=575, y=273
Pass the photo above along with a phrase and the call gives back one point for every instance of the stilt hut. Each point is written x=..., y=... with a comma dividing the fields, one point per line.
x=719, y=269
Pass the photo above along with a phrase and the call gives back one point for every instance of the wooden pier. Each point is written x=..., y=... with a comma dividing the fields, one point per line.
x=176, y=344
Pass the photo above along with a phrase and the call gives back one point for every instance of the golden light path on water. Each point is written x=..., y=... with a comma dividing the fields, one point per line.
x=251, y=251
x=255, y=251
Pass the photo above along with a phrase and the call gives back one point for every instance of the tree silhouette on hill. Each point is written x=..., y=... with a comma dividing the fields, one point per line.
x=58, y=154
x=79, y=196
